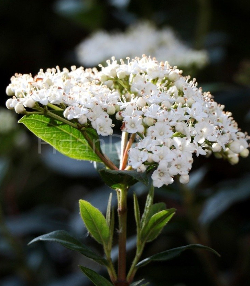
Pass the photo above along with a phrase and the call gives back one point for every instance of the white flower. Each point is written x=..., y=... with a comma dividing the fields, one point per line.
x=172, y=118
x=138, y=39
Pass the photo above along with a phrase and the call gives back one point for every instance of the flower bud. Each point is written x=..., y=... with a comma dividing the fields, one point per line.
x=149, y=121
x=118, y=116
x=9, y=103
x=235, y=147
x=141, y=169
x=216, y=147
x=111, y=109
x=10, y=91
x=184, y=179
x=141, y=102
x=29, y=102
x=19, y=108
x=244, y=153
x=173, y=76
x=83, y=119
x=233, y=160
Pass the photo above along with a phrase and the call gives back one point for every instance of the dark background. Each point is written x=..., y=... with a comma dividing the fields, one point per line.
x=39, y=192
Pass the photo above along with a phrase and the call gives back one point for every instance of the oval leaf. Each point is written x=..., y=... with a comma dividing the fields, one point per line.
x=116, y=179
x=172, y=253
x=155, y=225
x=95, y=222
x=70, y=242
x=96, y=278
x=64, y=138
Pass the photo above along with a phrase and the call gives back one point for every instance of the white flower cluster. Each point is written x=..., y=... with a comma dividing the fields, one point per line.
x=171, y=116
x=141, y=38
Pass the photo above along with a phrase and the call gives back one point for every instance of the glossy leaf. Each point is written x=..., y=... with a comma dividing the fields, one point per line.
x=96, y=278
x=172, y=253
x=155, y=224
x=63, y=137
x=70, y=242
x=95, y=222
x=117, y=179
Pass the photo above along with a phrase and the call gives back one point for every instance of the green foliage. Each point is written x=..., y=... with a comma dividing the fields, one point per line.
x=137, y=283
x=172, y=253
x=137, y=214
x=118, y=179
x=70, y=242
x=95, y=222
x=63, y=137
x=148, y=204
x=155, y=225
x=96, y=278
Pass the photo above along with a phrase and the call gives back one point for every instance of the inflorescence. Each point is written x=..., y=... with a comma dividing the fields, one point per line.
x=140, y=38
x=172, y=117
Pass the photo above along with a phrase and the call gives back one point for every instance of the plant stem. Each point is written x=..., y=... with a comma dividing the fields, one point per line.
x=133, y=268
x=125, y=154
x=54, y=107
x=103, y=158
x=122, y=215
x=57, y=117
x=123, y=147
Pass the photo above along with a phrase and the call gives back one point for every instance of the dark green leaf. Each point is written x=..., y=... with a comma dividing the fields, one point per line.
x=63, y=137
x=95, y=222
x=148, y=204
x=155, y=224
x=96, y=278
x=117, y=179
x=172, y=253
x=155, y=208
x=68, y=241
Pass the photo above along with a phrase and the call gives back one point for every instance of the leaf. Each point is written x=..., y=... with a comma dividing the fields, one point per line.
x=137, y=214
x=148, y=204
x=155, y=225
x=108, y=212
x=137, y=283
x=70, y=242
x=95, y=222
x=228, y=194
x=63, y=137
x=110, y=219
x=172, y=253
x=96, y=278
x=117, y=179
x=155, y=208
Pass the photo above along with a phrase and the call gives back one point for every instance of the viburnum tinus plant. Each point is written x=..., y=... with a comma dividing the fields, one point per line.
x=165, y=119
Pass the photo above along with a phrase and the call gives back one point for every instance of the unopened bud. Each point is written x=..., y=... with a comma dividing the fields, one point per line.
x=244, y=153
x=9, y=103
x=29, y=102
x=10, y=91
x=216, y=147
x=19, y=108
x=111, y=110
x=184, y=179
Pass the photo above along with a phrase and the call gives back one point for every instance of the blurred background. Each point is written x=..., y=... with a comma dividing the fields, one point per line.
x=40, y=189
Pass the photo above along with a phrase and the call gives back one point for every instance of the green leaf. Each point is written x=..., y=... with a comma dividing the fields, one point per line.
x=108, y=212
x=137, y=214
x=96, y=278
x=95, y=222
x=155, y=208
x=110, y=219
x=155, y=225
x=63, y=137
x=70, y=242
x=117, y=179
x=172, y=253
x=148, y=204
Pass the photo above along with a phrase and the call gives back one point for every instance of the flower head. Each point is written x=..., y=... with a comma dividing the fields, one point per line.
x=173, y=118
